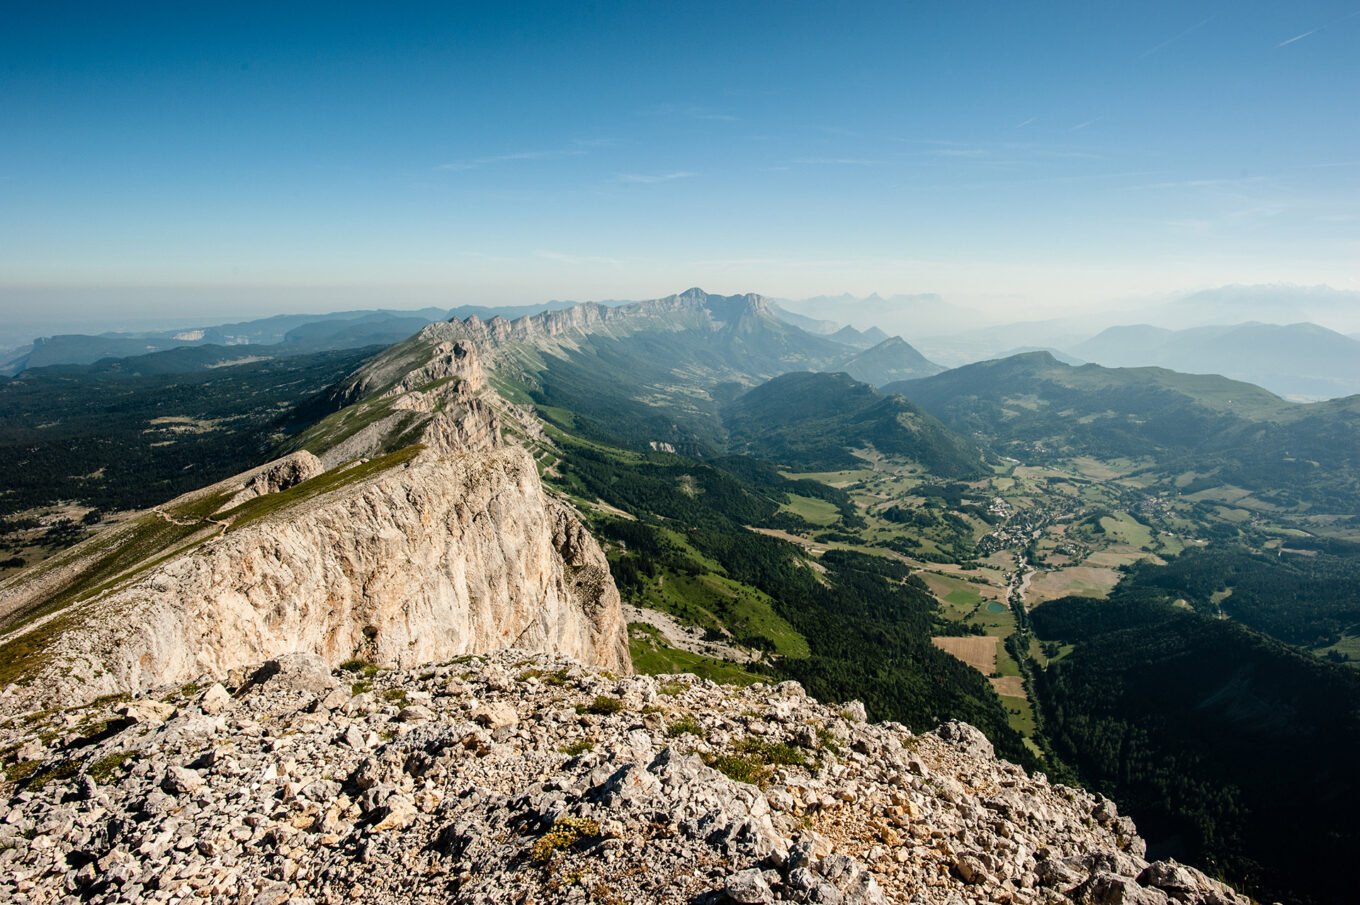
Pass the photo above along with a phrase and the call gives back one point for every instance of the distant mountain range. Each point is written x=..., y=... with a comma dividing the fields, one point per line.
x=658, y=371
x=270, y=337
x=1280, y=303
x=1298, y=360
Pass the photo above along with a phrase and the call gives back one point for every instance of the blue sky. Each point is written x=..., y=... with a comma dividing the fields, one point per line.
x=242, y=157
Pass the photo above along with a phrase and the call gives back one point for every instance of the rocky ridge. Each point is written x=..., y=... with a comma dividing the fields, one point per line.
x=528, y=778
x=693, y=309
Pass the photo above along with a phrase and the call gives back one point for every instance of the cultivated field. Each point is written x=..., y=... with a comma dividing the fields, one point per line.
x=1084, y=581
x=978, y=651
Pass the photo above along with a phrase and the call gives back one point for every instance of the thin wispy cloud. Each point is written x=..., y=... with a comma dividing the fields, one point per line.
x=1174, y=38
x=943, y=148
x=653, y=178
x=1082, y=125
x=1306, y=34
x=474, y=163
x=1029, y=122
x=1201, y=183
x=692, y=111
x=968, y=153
x=1311, y=32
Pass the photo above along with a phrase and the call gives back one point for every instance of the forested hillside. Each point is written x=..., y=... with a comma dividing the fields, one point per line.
x=812, y=422
x=1231, y=750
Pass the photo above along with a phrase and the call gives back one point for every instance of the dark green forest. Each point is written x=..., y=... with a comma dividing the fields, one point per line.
x=91, y=434
x=1230, y=749
x=1308, y=598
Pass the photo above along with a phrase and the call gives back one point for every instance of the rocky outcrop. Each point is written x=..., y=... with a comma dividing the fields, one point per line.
x=523, y=778
x=279, y=476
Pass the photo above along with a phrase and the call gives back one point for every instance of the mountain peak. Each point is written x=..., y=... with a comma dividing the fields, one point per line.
x=891, y=360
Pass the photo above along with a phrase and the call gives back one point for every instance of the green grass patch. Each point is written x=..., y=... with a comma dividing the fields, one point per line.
x=580, y=746
x=651, y=656
x=685, y=725
x=24, y=655
x=21, y=770
x=1346, y=651
x=812, y=510
x=555, y=678
x=603, y=705
x=1125, y=529
x=338, y=427
x=1005, y=663
x=125, y=551
x=148, y=540
x=58, y=772
x=107, y=768
x=753, y=760
x=740, y=767
x=717, y=603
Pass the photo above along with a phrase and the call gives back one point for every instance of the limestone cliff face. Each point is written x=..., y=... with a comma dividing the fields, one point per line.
x=437, y=558
x=447, y=548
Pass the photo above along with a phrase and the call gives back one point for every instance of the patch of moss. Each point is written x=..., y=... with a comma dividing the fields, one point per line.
x=61, y=770
x=565, y=832
x=742, y=768
x=21, y=770
x=360, y=667
x=555, y=678
x=827, y=741
x=773, y=753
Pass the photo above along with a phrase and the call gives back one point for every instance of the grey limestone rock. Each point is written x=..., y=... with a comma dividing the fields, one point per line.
x=275, y=800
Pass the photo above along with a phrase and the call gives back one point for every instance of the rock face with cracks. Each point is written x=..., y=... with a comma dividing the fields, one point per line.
x=501, y=779
x=447, y=546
